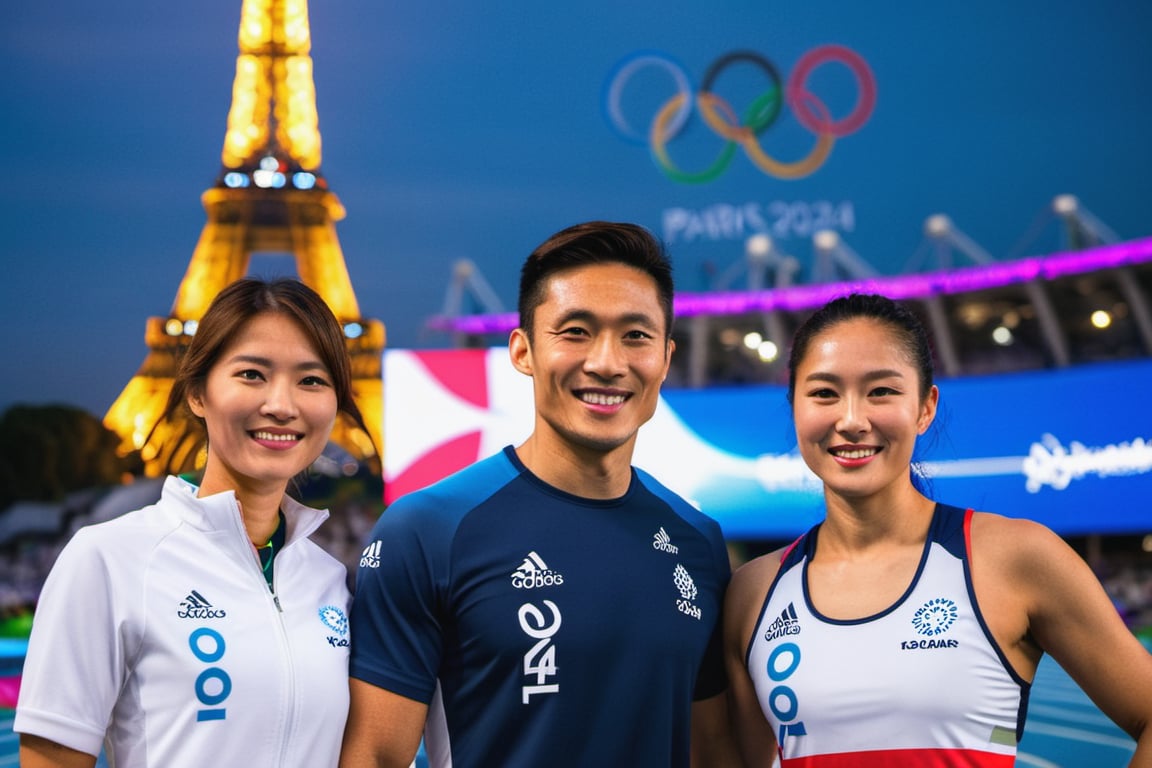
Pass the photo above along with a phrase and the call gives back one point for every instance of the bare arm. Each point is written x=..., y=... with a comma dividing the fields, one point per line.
x=38, y=752
x=754, y=738
x=383, y=729
x=712, y=743
x=1070, y=617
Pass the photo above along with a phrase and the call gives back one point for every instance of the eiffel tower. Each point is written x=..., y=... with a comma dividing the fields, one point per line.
x=270, y=197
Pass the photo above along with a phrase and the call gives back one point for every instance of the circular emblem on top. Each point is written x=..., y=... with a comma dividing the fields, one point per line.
x=935, y=617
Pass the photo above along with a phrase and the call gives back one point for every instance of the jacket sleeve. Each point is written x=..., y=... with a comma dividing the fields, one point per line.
x=75, y=665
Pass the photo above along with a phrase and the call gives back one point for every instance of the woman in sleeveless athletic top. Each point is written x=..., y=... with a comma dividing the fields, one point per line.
x=901, y=631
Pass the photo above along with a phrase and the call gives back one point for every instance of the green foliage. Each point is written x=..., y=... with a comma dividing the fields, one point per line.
x=49, y=451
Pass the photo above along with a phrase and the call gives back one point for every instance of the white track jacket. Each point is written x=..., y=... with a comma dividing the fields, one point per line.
x=157, y=637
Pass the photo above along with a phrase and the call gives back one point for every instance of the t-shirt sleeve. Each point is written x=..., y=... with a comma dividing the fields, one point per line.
x=396, y=627
x=75, y=665
x=712, y=679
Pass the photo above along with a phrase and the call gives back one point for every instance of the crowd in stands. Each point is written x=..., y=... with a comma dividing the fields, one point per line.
x=1127, y=577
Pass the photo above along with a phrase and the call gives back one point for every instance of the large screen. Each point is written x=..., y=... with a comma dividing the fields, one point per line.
x=1070, y=448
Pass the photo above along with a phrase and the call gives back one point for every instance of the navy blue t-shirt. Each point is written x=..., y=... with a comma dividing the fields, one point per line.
x=540, y=627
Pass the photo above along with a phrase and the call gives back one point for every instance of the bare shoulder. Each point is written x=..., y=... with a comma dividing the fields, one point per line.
x=1039, y=594
x=753, y=578
x=743, y=603
x=1016, y=546
x=1002, y=527
x=745, y=595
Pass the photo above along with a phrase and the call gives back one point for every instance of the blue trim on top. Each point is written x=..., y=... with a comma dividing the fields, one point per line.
x=810, y=552
x=1025, y=686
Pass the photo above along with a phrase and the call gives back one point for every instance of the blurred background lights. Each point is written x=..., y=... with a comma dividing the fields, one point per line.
x=1065, y=205
x=759, y=245
x=235, y=180
x=826, y=239
x=265, y=179
x=937, y=225
x=174, y=326
x=1002, y=336
x=303, y=180
x=1101, y=319
x=730, y=338
x=269, y=174
x=752, y=340
x=768, y=351
x=353, y=330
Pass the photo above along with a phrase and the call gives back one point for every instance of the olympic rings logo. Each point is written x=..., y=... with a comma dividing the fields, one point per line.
x=720, y=117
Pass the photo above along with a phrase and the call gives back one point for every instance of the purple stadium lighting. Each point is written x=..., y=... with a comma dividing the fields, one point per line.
x=901, y=287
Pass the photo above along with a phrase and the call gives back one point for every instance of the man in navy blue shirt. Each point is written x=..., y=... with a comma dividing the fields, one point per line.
x=551, y=604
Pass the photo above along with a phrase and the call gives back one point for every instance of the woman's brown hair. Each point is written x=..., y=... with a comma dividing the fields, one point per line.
x=245, y=299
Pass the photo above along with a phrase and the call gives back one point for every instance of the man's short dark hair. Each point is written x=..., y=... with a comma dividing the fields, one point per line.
x=595, y=242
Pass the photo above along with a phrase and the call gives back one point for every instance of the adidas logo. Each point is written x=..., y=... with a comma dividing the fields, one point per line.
x=785, y=624
x=663, y=542
x=534, y=572
x=370, y=557
x=196, y=606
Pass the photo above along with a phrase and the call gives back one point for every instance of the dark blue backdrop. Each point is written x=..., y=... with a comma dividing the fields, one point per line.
x=474, y=130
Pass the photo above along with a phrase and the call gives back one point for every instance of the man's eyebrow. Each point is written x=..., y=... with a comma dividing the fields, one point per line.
x=588, y=316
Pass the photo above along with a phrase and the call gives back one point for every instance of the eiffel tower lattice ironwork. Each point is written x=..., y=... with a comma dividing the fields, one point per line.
x=270, y=197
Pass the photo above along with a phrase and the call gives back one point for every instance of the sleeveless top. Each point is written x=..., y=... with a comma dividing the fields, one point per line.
x=922, y=683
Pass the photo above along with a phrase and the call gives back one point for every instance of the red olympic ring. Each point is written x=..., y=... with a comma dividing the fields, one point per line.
x=798, y=92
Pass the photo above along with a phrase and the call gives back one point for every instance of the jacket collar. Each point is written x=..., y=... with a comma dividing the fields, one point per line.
x=220, y=512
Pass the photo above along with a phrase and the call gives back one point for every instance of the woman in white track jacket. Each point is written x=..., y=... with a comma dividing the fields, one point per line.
x=207, y=629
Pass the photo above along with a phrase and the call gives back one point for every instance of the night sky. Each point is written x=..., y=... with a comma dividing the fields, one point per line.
x=475, y=130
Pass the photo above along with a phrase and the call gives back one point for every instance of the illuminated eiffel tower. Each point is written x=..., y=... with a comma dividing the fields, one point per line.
x=269, y=197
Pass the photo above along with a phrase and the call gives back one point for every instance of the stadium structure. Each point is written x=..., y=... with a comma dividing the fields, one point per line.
x=1087, y=302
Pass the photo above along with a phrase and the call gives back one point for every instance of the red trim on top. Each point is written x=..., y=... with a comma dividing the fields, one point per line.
x=906, y=758
x=968, y=536
x=788, y=551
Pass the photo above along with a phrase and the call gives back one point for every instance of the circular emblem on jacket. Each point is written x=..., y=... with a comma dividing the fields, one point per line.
x=335, y=619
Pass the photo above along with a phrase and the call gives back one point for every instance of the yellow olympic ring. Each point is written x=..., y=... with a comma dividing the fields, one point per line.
x=746, y=138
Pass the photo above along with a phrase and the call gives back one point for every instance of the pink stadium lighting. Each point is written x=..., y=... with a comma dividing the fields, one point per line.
x=901, y=287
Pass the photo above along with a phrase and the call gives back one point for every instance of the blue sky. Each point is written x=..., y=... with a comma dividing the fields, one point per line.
x=468, y=130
